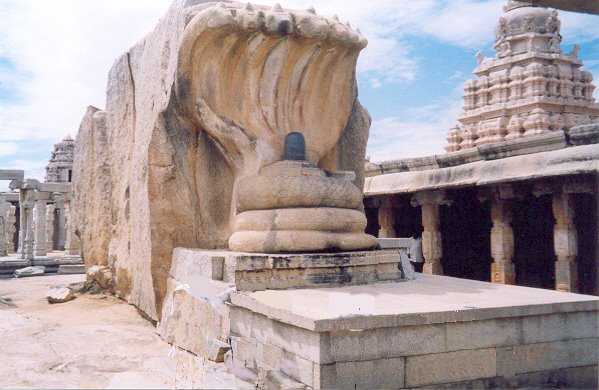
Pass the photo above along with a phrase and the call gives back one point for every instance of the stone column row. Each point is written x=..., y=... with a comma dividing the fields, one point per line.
x=432, y=245
x=502, y=234
x=37, y=222
x=565, y=241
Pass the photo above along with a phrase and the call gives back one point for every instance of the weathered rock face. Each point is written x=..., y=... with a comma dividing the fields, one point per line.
x=91, y=203
x=203, y=102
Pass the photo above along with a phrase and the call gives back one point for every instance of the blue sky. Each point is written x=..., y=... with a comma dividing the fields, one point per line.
x=55, y=55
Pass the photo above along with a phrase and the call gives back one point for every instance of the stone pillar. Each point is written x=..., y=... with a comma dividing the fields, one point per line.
x=502, y=243
x=3, y=249
x=40, y=228
x=10, y=229
x=71, y=245
x=432, y=244
x=22, y=223
x=4, y=213
x=60, y=224
x=566, y=243
x=387, y=218
x=27, y=217
x=50, y=210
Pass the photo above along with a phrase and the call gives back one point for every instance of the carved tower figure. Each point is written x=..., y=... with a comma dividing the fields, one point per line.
x=531, y=87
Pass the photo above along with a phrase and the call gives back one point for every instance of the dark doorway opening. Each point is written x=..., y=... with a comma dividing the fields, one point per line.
x=372, y=216
x=408, y=219
x=585, y=219
x=466, y=231
x=534, y=255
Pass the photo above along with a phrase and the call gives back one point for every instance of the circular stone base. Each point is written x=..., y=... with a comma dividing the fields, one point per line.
x=280, y=192
x=291, y=241
x=323, y=219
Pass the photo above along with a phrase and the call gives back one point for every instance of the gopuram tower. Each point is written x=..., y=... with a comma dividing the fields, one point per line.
x=531, y=87
x=60, y=166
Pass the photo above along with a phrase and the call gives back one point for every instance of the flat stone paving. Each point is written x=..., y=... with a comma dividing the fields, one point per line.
x=426, y=300
x=91, y=342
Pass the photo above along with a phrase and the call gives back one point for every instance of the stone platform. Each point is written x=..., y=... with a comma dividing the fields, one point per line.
x=430, y=332
x=8, y=265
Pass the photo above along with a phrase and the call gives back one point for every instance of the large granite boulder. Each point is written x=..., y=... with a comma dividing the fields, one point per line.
x=91, y=202
x=203, y=102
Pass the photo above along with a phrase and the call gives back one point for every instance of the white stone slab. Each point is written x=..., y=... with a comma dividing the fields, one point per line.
x=426, y=300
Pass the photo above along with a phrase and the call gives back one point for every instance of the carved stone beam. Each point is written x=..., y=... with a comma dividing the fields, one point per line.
x=47, y=196
x=12, y=174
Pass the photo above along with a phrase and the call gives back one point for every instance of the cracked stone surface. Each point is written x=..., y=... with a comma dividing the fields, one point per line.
x=95, y=341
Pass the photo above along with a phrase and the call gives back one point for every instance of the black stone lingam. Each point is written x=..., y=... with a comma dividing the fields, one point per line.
x=295, y=147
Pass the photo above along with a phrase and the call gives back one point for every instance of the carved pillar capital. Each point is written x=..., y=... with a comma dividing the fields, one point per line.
x=430, y=198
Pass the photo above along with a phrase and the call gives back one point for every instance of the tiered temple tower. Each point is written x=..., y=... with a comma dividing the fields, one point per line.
x=60, y=166
x=531, y=87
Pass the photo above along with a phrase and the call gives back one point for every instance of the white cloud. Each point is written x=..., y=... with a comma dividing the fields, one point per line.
x=464, y=23
x=8, y=148
x=419, y=132
x=62, y=51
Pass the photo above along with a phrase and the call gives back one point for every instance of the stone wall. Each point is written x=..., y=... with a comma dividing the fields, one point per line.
x=165, y=182
x=408, y=335
x=518, y=352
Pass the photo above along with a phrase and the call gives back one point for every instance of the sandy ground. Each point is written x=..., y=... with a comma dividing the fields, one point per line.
x=91, y=342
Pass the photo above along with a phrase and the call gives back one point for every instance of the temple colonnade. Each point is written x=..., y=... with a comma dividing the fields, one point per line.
x=514, y=249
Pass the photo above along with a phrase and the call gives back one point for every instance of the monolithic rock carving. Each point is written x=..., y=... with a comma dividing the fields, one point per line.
x=195, y=126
